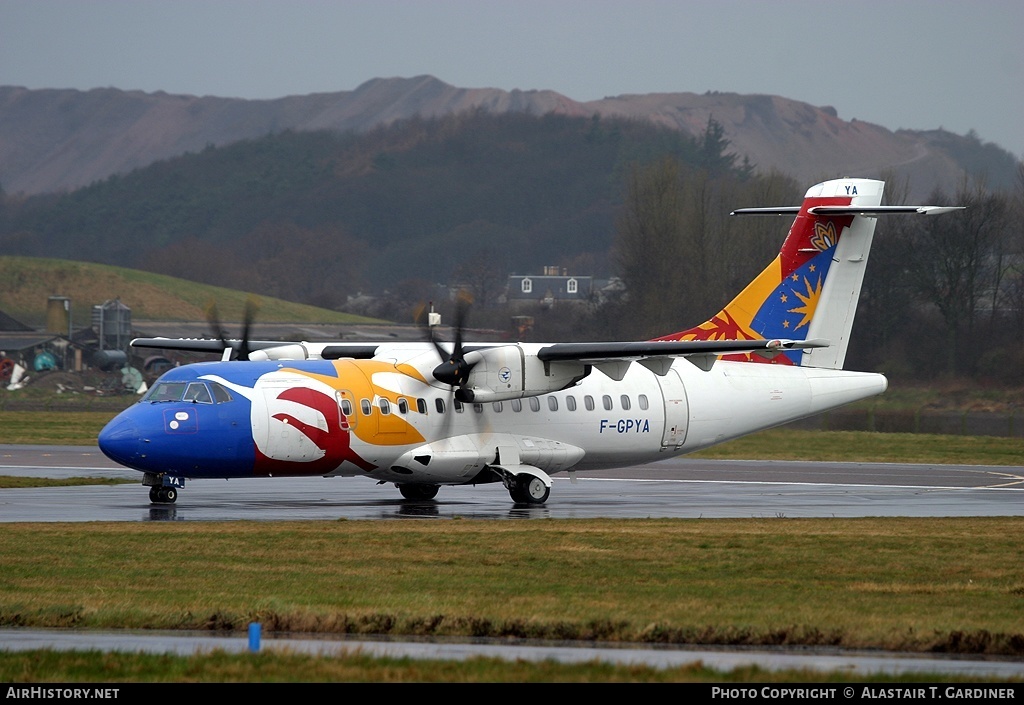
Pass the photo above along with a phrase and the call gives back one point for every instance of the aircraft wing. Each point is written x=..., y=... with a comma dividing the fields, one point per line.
x=657, y=356
x=613, y=358
x=199, y=344
x=593, y=353
x=207, y=345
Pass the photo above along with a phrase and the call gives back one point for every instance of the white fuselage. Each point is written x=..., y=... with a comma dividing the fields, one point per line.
x=598, y=422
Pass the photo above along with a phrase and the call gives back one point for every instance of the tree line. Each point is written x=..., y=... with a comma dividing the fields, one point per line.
x=942, y=296
x=465, y=200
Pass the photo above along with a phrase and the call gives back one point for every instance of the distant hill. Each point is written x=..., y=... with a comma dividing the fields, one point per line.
x=26, y=283
x=323, y=216
x=56, y=140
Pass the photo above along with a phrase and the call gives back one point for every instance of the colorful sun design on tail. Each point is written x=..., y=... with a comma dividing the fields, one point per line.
x=810, y=300
x=782, y=299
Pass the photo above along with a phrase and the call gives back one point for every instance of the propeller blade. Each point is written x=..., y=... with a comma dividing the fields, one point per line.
x=251, y=307
x=454, y=369
x=217, y=331
x=239, y=350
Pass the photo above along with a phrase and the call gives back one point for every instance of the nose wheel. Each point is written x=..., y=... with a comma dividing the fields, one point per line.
x=163, y=495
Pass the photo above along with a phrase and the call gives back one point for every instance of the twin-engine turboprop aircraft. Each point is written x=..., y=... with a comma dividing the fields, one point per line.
x=422, y=415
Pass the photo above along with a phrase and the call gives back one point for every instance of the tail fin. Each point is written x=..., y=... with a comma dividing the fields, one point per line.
x=811, y=289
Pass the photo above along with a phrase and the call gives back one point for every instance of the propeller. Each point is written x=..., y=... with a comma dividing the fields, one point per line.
x=240, y=350
x=454, y=368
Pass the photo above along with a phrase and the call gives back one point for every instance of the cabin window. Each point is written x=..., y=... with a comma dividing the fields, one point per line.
x=364, y=405
x=534, y=404
x=643, y=402
x=346, y=407
x=517, y=405
x=403, y=405
x=385, y=406
x=497, y=406
x=607, y=402
x=588, y=401
x=458, y=406
x=439, y=405
x=478, y=408
x=421, y=406
x=570, y=403
x=553, y=403
x=625, y=402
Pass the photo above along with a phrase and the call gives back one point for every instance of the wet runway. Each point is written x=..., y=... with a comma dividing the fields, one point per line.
x=851, y=664
x=679, y=488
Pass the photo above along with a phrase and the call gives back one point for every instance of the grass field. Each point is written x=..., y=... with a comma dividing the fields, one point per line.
x=924, y=585
x=905, y=584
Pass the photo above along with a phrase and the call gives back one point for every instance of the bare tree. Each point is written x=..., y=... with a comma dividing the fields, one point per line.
x=649, y=249
x=1015, y=270
x=952, y=264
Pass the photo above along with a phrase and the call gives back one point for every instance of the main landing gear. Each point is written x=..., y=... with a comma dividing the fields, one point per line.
x=528, y=489
x=415, y=491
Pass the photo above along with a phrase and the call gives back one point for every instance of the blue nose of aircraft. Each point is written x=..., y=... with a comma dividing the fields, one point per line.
x=119, y=441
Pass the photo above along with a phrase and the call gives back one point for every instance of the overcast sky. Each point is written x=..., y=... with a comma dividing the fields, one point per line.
x=917, y=64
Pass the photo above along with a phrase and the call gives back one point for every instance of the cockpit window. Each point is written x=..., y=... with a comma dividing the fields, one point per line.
x=166, y=391
x=198, y=393
x=220, y=392
x=195, y=392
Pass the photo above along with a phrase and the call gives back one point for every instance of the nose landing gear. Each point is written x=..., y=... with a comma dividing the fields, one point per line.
x=163, y=489
x=163, y=495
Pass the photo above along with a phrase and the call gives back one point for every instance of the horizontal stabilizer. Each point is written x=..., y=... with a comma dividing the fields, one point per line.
x=867, y=211
x=876, y=211
x=775, y=210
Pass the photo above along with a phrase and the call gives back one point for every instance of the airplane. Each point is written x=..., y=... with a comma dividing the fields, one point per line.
x=424, y=414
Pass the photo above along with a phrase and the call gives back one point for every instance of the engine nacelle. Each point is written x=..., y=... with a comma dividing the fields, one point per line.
x=286, y=351
x=508, y=372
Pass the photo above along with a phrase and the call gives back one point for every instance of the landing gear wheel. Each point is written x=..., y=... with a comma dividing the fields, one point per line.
x=528, y=489
x=410, y=491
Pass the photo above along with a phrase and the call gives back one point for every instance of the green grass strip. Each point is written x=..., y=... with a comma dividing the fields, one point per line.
x=950, y=585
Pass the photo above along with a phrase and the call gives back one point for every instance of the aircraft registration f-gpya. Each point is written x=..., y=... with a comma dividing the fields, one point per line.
x=425, y=414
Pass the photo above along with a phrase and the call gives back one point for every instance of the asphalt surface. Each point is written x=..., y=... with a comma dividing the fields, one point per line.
x=679, y=488
x=685, y=488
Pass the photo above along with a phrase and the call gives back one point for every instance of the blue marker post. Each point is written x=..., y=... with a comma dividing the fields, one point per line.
x=254, y=637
